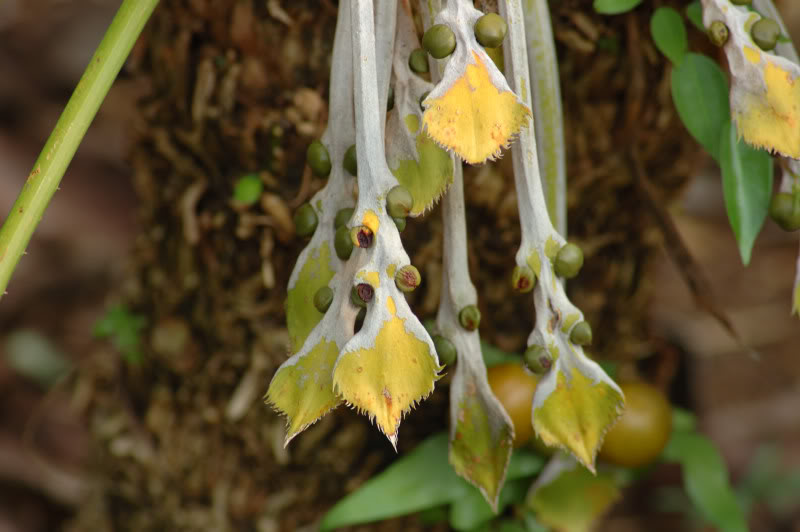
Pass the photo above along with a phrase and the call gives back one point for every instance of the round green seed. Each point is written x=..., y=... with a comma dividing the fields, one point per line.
x=305, y=220
x=765, y=33
x=469, y=317
x=343, y=243
x=407, y=278
x=718, y=33
x=538, y=359
x=399, y=202
x=323, y=299
x=418, y=61
x=445, y=350
x=581, y=333
x=568, y=261
x=785, y=211
x=439, y=41
x=342, y=217
x=523, y=279
x=318, y=159
x=350, y=162
x=490, y=30
x=400, y=223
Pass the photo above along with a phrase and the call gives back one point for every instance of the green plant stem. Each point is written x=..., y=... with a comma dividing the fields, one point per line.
x=57, y=153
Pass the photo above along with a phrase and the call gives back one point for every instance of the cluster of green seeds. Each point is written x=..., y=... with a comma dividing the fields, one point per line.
x=398, y=205
x=765, y=32
x=440, y=41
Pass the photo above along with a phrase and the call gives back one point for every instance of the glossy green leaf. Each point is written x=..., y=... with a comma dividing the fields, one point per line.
x=494, y=356
x=700, y=94
x=747, y=186
x=705, y=479
x=694, y=12
x=419, y=480
x=669, y=34
x=614, y=7
x=472, y=510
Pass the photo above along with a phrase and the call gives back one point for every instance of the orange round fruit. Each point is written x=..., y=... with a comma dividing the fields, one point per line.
x=643, y=430
x=514, y=388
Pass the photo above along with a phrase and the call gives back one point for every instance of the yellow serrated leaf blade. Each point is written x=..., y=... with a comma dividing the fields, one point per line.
x=474, y=118
x=577, y=414
x=771, y=120
x=301, y=314
x=302, y=388
x=387, y=379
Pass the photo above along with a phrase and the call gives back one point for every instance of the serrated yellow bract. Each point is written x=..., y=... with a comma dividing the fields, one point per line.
x=772, y=120
x=474, y=118
x=303, y=389
x=577, y=414
x=387, y=379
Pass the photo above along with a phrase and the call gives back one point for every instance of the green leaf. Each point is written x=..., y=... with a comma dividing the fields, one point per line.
x=694, y=12
x=615, y=7
x=683, y=420
x=494, y=356
x=669, y=34
x=705, y=479
x=472, y=510
x=747, y=186
x=700, y=94
x=124, y=329
x=420, y=480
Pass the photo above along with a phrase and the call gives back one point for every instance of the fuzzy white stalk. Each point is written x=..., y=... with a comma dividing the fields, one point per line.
x=470, y=395
x=338, y=136
x=379, y=256
x=547, y=112
x=555, y=313
x=385, y=21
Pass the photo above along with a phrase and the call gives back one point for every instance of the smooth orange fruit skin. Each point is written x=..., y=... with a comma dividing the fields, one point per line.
x=642, y=432
x=514, y=388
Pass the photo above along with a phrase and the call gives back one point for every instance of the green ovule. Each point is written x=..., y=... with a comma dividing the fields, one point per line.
x=350, y=161
x=418, y=61
x=581, y=334
x=439, y=41
x=445, y=350
x=301, y=315
x=718, y=33
x=765, y=33
x=318, y=159
x=490, y=30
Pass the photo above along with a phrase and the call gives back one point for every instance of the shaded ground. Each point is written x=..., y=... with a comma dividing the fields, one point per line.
x=183, y=441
